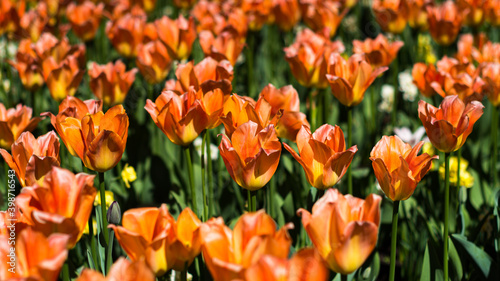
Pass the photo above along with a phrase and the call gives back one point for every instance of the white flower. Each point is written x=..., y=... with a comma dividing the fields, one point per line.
x=410, y=91
x=407, y=136
x=214, y=150
x=387, y=98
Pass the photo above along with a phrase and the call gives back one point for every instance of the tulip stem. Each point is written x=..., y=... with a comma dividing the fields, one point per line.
x=187, y=151
x=349, y=144
x=446, y=212
x=65, y=272
x=109, y=256
x=203, y=175
x=250, y=67
x=494, y=143
x=252, y=201
x=396, y=94
x=312, y=110
x=102, y=189
x=272, y=190
x=343, y=277
x=210, y=178
x=184, y=273
x=92, y=242
x=394, y=238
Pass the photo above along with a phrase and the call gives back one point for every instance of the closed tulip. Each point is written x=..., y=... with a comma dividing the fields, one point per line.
x=379, y=51
x=417, y=17
x=445, y=22
x=323, y=155
x=123, y=270
x=153, y=62
x=228, y=253
x=251, y=155
x=258, y=12
x=111, y=82
x=85, y=19
x=63, y=78
x=61, y=203
x=391, y=15
x=350, y=79
x=13, y=122
x=449, y=125
x=181, y=118
x=33, y=158
x=344, y=229
x=286, y=13
x=398, y=168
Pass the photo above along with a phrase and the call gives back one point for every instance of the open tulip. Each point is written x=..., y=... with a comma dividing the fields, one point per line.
x=229, y=253
x=34, y=21
x=126, y=33
x=350, y=79
x=63, y=78
x=13, y=122
x=85, y=19
x=344, y=229
x=227, y=45
x=61, y=203
x=181, y=118
x=493, y=12
x=491, y=76
x=28, y=66
x=258, y=12
x=445, y=22
x=325, y=14
x=178, y=35
x=417, y=17
x=251, y=155
x=32, y=158
x=398, y=168
x=37, y=256
x=423, y=77
x=379, y=51
x=473, y=11
x=449, y=125
x=111, y=82
x=286, y=13
x=153, y=62
x=153, y=234
x=323, y=155
x=123, y=270
x=391, y=15
x=11, y=11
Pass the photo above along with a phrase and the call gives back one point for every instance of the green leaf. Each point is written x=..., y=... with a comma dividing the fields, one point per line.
x=480, y=258
x=455, y=260
x=426, y=266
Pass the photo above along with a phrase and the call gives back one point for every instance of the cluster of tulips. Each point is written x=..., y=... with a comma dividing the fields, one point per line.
x=189, y=55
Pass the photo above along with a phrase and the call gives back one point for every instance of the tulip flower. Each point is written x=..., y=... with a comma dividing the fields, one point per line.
x=62, y=79
x=33, y=158
x=444, y=22
x=153, y=234
x=227, y=45
x=493, y=12
x=13, y=122
x=111, y=82
x=123, y=270
x=350, y=79
x=184, y=4
x=378, y=52
x=473, y=11
x=344, y=229
x=320, y=15
x=417, y=16
x=423, y=77
x=258, y=12
x=153, y=62
x=11, y=11
x=37, y=256
x=251, y=155
x=34, y=21
x=146, y=5
x=127, y=32
x=85, y=19
x=178, y=35
x=181, y=118
x=398, y=168
x=391, y=15
x=491, y=76
x=308, y=58
x=57, y=51
x=323, y=155
x=28, y=66
x=286, y=13
x=61, y=203
x=449, y=125
x=228, y=253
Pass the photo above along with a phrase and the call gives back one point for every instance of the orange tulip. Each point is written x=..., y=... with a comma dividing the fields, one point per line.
x=227, y=45
x=207, y=75
x=325, y=14
x=123, y=270
x=61, y=203
x=111, y=82
x=10, y=14
x=258, y=12
x=74, y=108
x=343, y=229
x=308, y=58
x=323, y=155
x=212, y=103
x=28, y=66
x=489, y=52
x=153, y=234
x=391, y=15
x=146, y=5
x=37, y=257
x=153, y=62
x=398, y=168
x=184, y=4
x=85, y=19
x=178, y=35
x=444, y=22
x=33, y=158
x=305, y=265
x=350, y=79
x=491, y=75
x=473, y=11
x=48, y=47
x=493, y=12
x=378, y=52
x=13, y=122
x=229, y=253
x=34, y=21
x=181, y=118
x=251, y=155
x=423, y=77
x=449, y=125
x=286, y=13
x=417, y=16
x=62, y=78
x=126, y=33
x=208, y=16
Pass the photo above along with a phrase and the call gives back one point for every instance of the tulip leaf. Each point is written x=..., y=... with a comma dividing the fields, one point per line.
x=426, y=266
x=479, y=257
x=370, y=269
x=455, y=260
x=90, y=260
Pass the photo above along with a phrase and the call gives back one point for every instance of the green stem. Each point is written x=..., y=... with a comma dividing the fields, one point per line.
x=394, y=238
x=313, y=110
x=187, y=152
x=203, y=189
x=184, y=273
x=494, y=143
x=326, y=105
x=396, y=94
x=109, y=256
x=102, y=189
x=65, y=272
x=272, y=190
x=93, y=251
x=211, y=209
x=343, y=277
x=252, y=201
x=349, y=144
x=446, y=212
x=249, y=56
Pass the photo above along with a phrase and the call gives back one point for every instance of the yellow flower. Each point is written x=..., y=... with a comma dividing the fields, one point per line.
x=94, y=227
x=424, y=49
x=110, y=197
x=466, y=178
x=128, y=175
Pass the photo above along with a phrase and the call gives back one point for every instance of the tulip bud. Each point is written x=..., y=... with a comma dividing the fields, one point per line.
x=114, y=213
